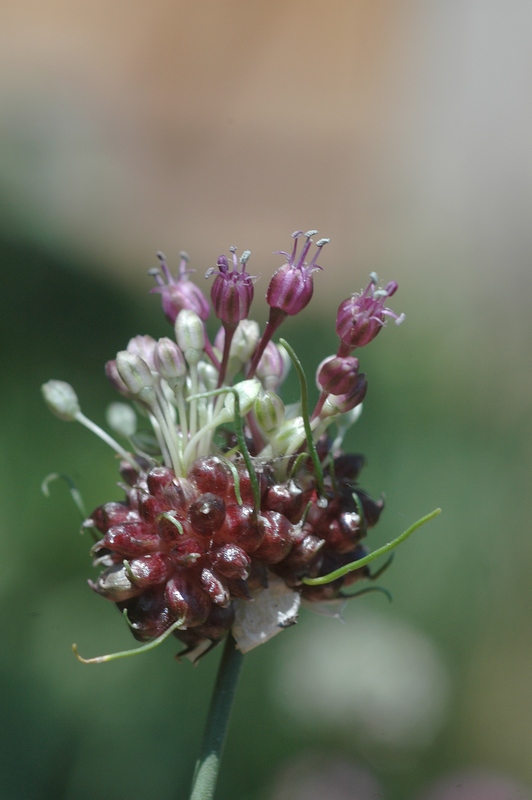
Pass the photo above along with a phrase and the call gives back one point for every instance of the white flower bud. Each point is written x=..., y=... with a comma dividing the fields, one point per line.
x=208, y=375
x=190, y=335
x=122, y=419
x=290, y=436
x=245, y=340
x=248, y=391
x=243, y=344
x=61, y=399
x=270, y=412
x=169, y=361
x=136, y=375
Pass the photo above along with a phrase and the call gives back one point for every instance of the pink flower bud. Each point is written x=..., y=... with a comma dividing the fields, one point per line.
x=143, y=346
x=273, y=366
x=290, y=290
x=115, y=380
x=337, y=375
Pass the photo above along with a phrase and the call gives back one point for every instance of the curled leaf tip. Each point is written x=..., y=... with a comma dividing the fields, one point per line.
x=72, y=488
x=126, y=653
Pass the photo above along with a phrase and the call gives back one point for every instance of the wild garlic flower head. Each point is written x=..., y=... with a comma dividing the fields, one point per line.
x=232, y=501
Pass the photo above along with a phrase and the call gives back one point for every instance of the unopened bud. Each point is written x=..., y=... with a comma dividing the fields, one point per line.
x=122, y=419
x=143, y=346
x=208, y=375
x=337, y=375
x=273, y=366
x=243, y=344
x=169, y=361
x=248, y=392
x=190, y=335
x=290, y=436
x=270, y=412
x=61, y=399
x=114, y=378
x=136, y=375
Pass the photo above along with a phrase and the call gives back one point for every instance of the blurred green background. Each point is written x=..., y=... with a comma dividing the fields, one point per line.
x=401, y=130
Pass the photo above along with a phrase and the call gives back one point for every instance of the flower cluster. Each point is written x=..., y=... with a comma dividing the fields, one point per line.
x=234, y=503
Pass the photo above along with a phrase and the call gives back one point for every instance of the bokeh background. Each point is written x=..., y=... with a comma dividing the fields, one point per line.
x=401, y=130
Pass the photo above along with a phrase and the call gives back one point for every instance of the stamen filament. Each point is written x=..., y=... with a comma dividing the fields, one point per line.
x=105, y=437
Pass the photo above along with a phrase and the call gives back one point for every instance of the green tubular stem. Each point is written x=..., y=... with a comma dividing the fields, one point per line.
x=354, y=565
x=209, y=759
x=104, y=436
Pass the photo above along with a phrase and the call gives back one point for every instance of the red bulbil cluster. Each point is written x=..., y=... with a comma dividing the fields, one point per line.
x=185, y=548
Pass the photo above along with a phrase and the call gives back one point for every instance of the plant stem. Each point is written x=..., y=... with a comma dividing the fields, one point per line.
x=208, y=763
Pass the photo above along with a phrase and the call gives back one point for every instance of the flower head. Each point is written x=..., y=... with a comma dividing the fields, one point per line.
x=361, y=317
x=229, y=495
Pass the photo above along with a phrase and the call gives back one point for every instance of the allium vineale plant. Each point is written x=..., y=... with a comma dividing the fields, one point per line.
x=236, y=508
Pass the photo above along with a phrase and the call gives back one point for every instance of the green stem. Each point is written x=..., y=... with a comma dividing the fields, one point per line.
x=208, y=763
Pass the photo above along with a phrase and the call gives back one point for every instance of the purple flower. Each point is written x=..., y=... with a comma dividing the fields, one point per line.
x=291, y=286
x=232, y=291
x=179, y=293
x=361, y=316
x=290, y=290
